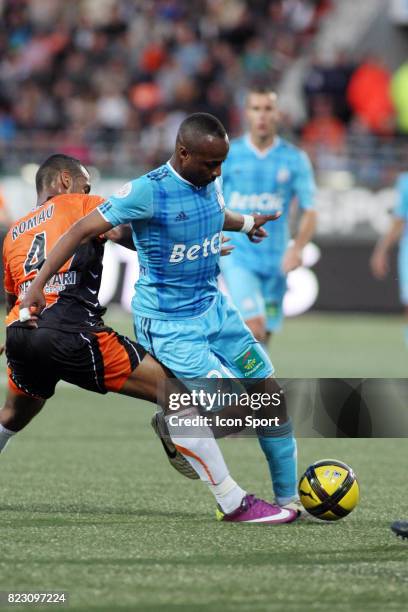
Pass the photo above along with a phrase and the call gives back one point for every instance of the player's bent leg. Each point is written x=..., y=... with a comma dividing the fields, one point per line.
x=257, y=325
x=16, y=413
x=194, y=360
x=130, y=371
x=146, y=381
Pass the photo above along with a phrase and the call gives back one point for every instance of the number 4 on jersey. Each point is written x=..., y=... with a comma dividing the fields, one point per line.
x=36, y=254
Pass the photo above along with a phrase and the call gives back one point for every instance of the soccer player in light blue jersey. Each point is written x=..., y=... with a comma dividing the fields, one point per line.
x=398, y=231
x=265, y=173
x=177, y=215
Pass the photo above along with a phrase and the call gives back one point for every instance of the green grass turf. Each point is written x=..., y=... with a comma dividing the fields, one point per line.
x=89, y=505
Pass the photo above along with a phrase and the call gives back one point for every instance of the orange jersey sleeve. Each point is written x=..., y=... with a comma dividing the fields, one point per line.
x=91, y=202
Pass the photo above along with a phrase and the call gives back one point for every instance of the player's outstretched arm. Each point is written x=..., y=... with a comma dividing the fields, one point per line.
x=89, y=227
x=307, y=227
x=248, y=224
x=379, y=258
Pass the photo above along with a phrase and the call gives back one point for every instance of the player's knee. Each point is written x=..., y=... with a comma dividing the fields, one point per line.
x=258, y=328
x=18, y=411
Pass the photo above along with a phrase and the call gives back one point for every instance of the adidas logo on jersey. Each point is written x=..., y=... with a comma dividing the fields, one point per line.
x=210, y=246
x=182, y=216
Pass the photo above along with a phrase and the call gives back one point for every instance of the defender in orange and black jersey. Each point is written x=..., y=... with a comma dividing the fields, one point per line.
x=72, y=294
x=68, y=341
x=81, y=349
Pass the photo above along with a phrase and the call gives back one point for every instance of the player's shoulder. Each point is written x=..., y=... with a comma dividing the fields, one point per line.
x=293, y=155
x=30, y=220
x=402, y=181
x=66, y=200
x=289, y=147
x=237, y=151
x=158, y=174
x=238, y=143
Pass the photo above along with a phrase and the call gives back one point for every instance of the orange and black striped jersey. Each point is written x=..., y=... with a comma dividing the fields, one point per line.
x=71, y=294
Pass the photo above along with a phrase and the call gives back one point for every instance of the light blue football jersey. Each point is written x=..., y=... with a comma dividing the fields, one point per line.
x=177, y=232
x=265, y=182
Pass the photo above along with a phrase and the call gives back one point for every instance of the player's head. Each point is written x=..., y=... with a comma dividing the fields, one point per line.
x=201, y=147
x=62, y=174
x=261, y=111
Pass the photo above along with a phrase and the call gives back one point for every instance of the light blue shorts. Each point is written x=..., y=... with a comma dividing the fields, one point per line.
x=403, y=271
x=257, y=296
x=216, y=344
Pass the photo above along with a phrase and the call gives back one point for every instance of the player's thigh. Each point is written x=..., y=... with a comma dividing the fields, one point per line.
x=32, y=370
x=107, y=361
x=130, y=370
x=244, y=289
x=273, y=291
x=235, y=345
x=150, y=380
x=181, y=346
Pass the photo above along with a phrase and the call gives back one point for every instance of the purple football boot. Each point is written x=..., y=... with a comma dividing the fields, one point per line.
x=254, y=510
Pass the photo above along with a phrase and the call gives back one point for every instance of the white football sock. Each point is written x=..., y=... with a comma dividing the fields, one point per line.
x=205, y=456
x=228, y=494
x=5, y=435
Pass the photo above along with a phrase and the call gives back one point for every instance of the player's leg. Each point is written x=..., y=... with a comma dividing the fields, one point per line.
x=130, y=371
x=273, y=291
x=246, y=359
x=278, y=442
x=180, y=345
x=403, y=282
x=245, y=290
x=17, y=412
x=29, y=384
x=183, y=347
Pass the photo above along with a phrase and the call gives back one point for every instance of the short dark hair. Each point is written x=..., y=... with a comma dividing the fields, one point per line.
x=200, y=124
x=261, y=90
x=56, y=163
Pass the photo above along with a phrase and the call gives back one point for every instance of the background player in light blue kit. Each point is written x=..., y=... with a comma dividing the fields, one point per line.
x=264, y=173
x=177, y=214
x=397, y=231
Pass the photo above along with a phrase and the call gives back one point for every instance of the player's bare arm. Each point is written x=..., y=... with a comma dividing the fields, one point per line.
x=122, y=234
x=91, y=226
x=293, y=255
x=379, y=259
x=249, y=224
x=11, y=299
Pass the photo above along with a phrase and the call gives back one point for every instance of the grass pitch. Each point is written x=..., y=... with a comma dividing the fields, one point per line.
x=89, y=505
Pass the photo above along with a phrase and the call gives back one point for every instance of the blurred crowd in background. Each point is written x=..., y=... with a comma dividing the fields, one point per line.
x=109, y=81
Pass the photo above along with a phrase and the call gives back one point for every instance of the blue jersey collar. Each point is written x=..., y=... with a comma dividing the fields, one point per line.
x=265, y=152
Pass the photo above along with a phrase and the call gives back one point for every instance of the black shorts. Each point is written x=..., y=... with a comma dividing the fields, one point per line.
x=98, y=361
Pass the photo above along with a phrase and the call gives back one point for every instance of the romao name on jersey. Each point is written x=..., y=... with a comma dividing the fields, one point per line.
x=265, y=202
x=24, y=226
x=56, y=284
x=210, y=246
